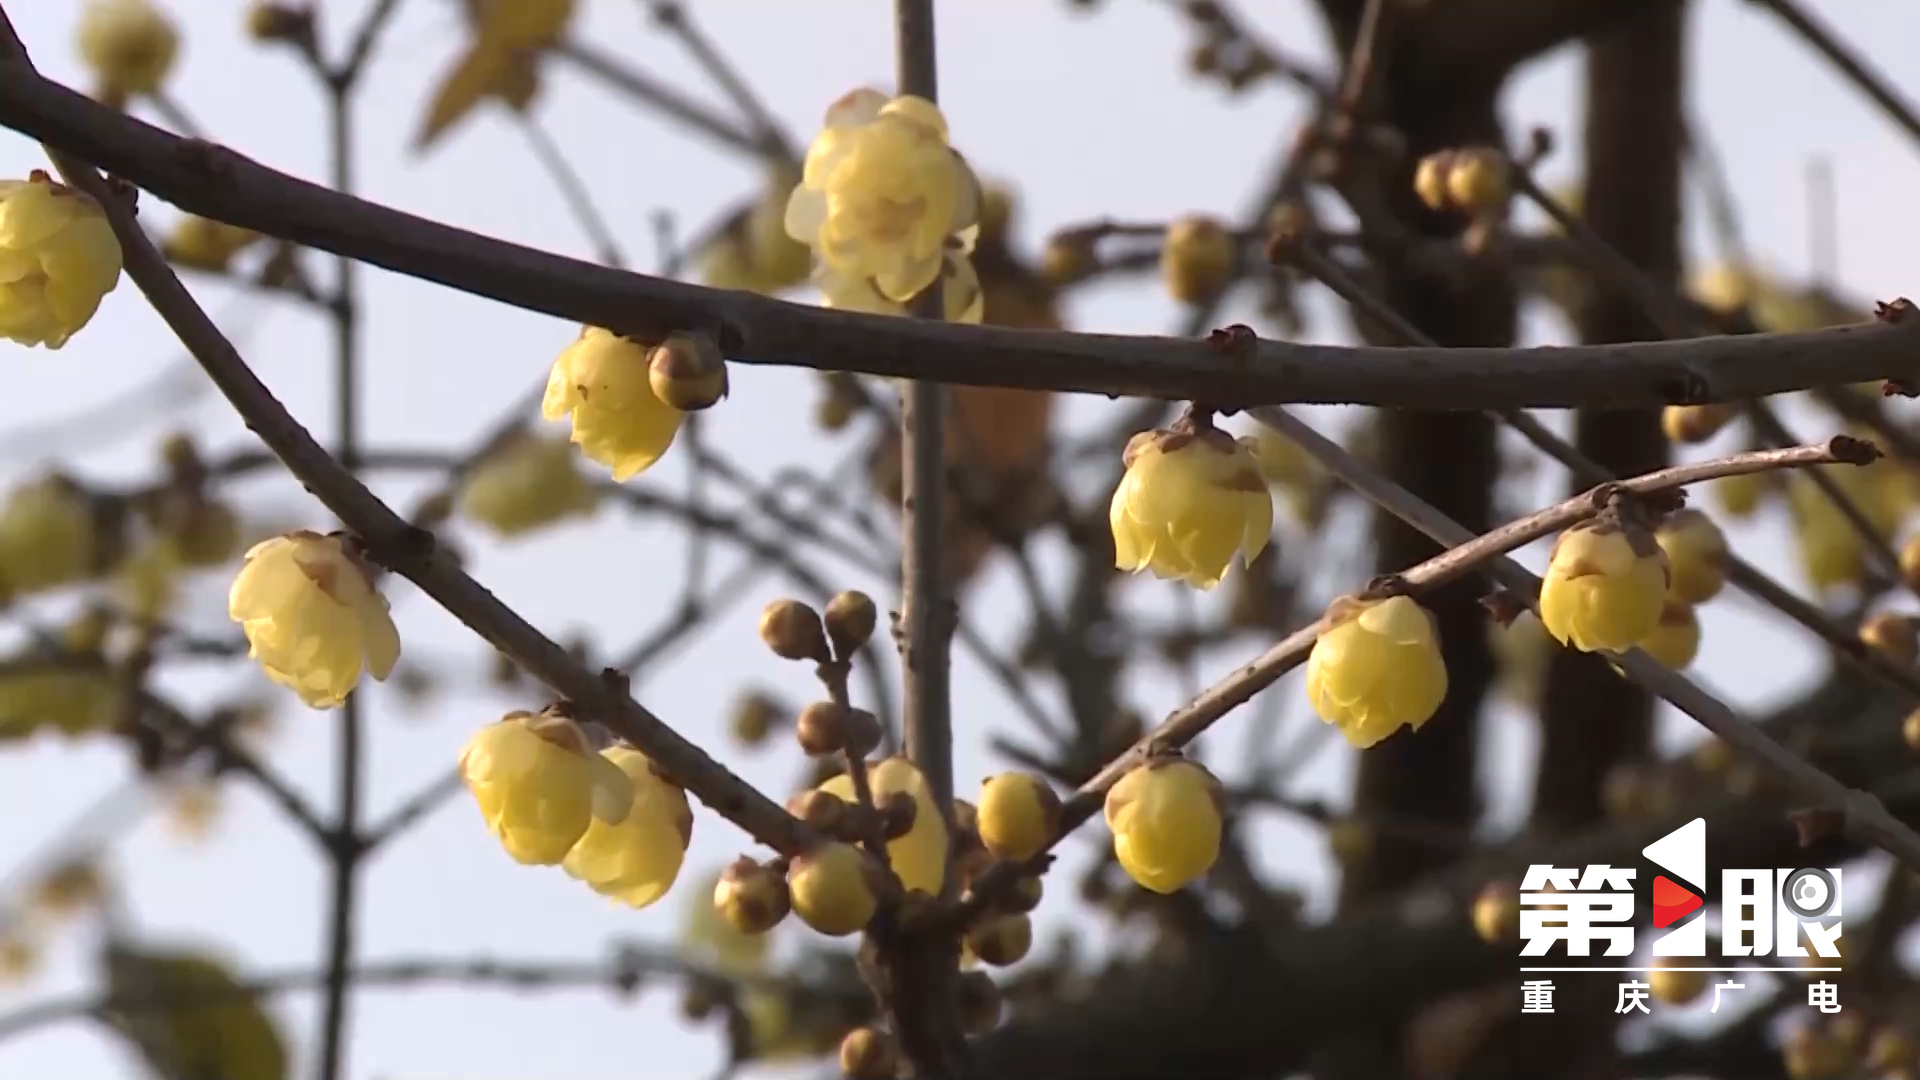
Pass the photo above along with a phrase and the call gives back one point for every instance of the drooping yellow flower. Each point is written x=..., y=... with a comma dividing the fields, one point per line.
x=205, y=244
x=312, y=617
x=1831, y=550
x=540, y=785
x=1605, y=586
x=961, y=295
x=881, y=192
x=46, y=536
x=129, y=44
x=1696, y=552
x=527, y=483
x=637, y=860
x=1166, y=823
x=832, y=888
x=601, y=382
x=919, y=857
x=58, y=260
x=1376, y=669
x=754, y=251
x=1676, y=640
x=1191, y=499
x=1017, y=816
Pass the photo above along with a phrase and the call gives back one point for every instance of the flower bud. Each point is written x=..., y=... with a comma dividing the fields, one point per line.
x=793, y=631
x=1198, y=260
x=1430, y=180
x=822, y=810
x=1496, y=913
x=687, y=371
x=1895, y=637
x=1018, y=815
x=753, y=717
x=1024, y=895
x=897, y=812
x=1002, y=940
x=1478, y=183
x=751, y=896
x=850, y=618
x=1910, y=730
x=1695, y=423
x=863, y=732
x=868, y=1054
x=833, y=889
x=822, y=728
x=280, y=22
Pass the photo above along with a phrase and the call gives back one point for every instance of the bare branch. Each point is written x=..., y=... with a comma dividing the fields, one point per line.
x=217, y=182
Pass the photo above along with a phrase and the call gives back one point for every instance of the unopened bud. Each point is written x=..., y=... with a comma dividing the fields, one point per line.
x=687, y=371
x=1895, y=637
x=280, y=23
x=897, y=811
x=868, y=1054
x=1024, y=895
x=1002, y=940
x=822, y=728
x=1478, y=183
x=850, y=618
x=1695, y=423
x=862, y=732
x=792, y=630
x=823, y=810
x=752, y=897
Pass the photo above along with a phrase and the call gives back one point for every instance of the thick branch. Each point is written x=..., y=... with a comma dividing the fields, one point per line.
x=216, y=182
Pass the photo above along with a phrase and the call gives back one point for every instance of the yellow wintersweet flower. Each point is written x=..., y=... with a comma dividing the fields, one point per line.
x=1676, y=640
x=1166, y=823
x=540, y=785
x=1696, y=552
x=636, y=860
x=205, y=244
x=527, y=483
x=1197, y=259
x=961, y=295
x=312, y=617
x=58, y=259
x=1831, y=550
x=1376, y=668
x=46, y=536
x=881, y=192
x=129, y=44
x=1018, y=815
x=919, y=857
x=1191, y=499
x=833, y=889
x=1605, y=586
x=601, y=381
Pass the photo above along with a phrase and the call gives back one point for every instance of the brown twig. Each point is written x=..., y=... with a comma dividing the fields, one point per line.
x=1470, y=555
x=211, y=180
x=1849, y=63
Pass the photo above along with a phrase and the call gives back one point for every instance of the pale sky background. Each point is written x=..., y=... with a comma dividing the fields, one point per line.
x=1091, y=116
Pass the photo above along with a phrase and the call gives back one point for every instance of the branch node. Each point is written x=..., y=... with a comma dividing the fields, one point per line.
x=1386, y=587
x=1237, y=342
x=1854, y=451
x=1895, y=311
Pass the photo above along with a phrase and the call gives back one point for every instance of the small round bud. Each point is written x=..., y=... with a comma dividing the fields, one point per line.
x=897, y=811
x=1496, y=913
x=863, y=732
x=1002, y=940
x=1024, y=895
x=868, y=1054
x=833, y=889
x=1430, y=180
x=1067, y=260
x=979, y=1003
x=822, y=810
x=1895, y=637
x=753, y=717
x=280, y=22
x=850, y=618
x=792, y=630
x=1910, y=730
x=1677, y=985
x=1695, y=423
x=1478, y=183
x=1198, y=260
x=752, y=897
x=822, y=728
x=687, y=372
x=1018, y=815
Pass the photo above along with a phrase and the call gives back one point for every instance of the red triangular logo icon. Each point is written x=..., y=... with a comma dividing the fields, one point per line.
x=1672, y=901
